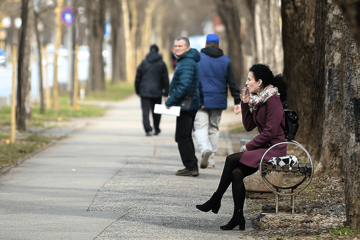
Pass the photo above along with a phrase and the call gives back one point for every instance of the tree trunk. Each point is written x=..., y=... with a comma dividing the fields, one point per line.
x=97, y=25
x=268, y=34
x=147, y=28
x=73, y=52
x=57, y=46
x=41, y=88
x=331, y=160
x=47, y=91
x=317, y=106
x=341, y=131
x=23, y=108
x=247, y=27
x=351, y=10
x=164, y=51
x=276, y=39
x=351, y=133
x=298, y=42
x=229, y=13
x=133, y=31
x=117, y=43
x=128, y=45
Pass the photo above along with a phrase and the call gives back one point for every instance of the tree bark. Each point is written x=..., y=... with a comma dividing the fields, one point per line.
x=351, y=133
x=268, y=34
x=331, y=160
x=47, y=91
x=74, y=43
x=298, y=42
x=164, y=51
x=41, y=88
x=247, y=33
x=317, y=106
x=147, y=28
x=341, y=142
x=351, y=10
x=229, y=13
x=97, y=25
x=23, y=108
x=128, y=44
x=133, y=31
x=57, y=46
x=117, y=43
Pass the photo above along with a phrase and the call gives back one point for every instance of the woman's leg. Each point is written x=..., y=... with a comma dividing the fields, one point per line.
x=238, y=190
x=214, y=203
x=238, y=186
x=232, y=162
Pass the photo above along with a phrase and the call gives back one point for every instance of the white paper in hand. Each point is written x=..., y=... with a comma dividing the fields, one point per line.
x=161, y=109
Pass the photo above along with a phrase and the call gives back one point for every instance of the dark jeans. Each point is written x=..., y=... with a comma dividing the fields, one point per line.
x=147, y=105
x=183, y=137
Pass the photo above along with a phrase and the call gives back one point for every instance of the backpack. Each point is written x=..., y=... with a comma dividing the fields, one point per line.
x=291, y=123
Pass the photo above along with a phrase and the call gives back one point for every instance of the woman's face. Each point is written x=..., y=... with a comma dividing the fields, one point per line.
x=253, y=85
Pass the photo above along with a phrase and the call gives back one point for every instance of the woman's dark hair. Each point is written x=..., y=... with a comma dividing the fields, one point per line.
x=263, y=72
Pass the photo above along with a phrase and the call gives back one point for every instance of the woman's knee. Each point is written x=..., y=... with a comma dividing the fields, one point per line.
x=233, y=158
x=237, y=173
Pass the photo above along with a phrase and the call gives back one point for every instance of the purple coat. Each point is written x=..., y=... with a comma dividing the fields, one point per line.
x=267, y=117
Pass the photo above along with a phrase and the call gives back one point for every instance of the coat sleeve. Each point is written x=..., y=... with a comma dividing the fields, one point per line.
x=165, y=81
x=233, y=86
x=274, y=116
x=247, y=117
x=186, y=72
x=138, y=79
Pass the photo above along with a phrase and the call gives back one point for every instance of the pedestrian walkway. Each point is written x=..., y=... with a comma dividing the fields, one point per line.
x=106, y=180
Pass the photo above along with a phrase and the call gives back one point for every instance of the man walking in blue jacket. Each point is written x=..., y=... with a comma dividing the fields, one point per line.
x=186, y=82
x=215, y=76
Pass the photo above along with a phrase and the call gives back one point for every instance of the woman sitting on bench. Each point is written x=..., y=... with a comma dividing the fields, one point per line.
x=264, y=94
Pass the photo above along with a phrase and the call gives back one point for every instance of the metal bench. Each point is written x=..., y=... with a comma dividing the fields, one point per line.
x=304, y=170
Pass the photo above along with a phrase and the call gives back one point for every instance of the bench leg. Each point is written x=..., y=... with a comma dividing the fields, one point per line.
x=276, y=203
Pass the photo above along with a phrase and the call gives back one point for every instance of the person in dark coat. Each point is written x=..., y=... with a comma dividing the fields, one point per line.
x=152, y=82
x=264, y=94
x=186, y=81
x=216, y=76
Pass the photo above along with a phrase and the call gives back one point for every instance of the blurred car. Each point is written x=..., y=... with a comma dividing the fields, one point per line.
x=2, y=58
x=83, y=53
x=63, y=53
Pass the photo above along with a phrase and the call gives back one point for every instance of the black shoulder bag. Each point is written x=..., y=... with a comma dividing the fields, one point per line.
x=291, y=123
x=185, y=103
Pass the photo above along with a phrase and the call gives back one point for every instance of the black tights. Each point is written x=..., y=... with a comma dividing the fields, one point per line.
x=234, y=172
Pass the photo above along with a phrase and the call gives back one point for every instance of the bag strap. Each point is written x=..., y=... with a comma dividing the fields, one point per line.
x=193, y=91
x=281, y=125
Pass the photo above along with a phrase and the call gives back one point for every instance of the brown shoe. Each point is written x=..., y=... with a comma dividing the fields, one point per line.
x=186, y=172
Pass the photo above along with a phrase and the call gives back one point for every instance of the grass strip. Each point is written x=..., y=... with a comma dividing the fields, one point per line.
x=113, y=92
x=11, y=153
x=62, y=114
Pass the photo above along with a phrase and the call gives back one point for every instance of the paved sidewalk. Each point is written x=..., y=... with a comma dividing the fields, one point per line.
x=106, y=180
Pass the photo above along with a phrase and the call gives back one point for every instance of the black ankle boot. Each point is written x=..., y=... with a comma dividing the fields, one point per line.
x=237, y=219
x=212, y=204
